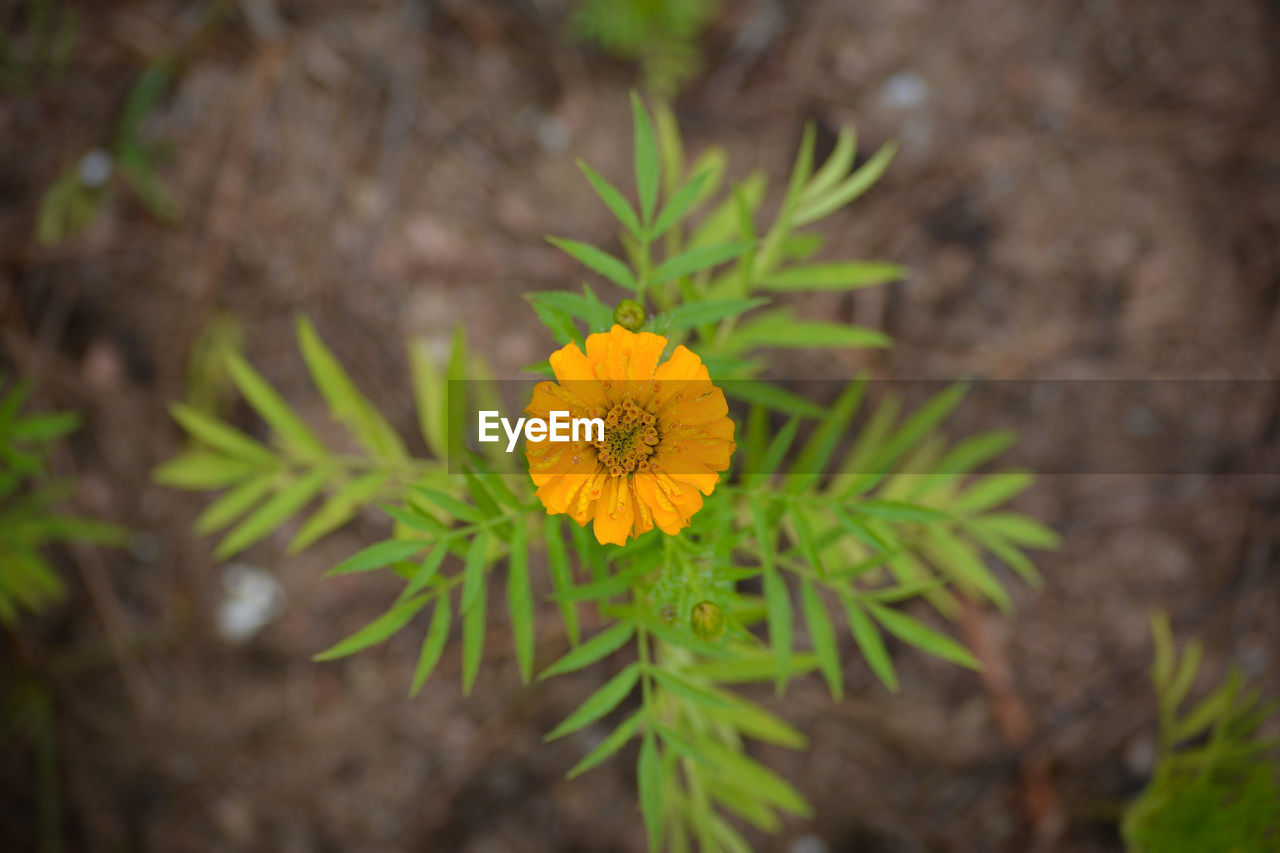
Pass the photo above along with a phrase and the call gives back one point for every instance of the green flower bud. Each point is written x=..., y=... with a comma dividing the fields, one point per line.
x=707, y=620
x=629, y=315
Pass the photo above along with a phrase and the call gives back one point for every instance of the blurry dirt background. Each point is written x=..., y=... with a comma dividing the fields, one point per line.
x=1086, y=189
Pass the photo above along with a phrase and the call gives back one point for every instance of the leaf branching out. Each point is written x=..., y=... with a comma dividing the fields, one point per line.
x=268, y=482
x=834, y=549
x=713, y=284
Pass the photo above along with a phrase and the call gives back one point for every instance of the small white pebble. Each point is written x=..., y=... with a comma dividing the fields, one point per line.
x=95, y=168
x=809, y=844
x=553, y=135
x=905, y=90
x=251, y=599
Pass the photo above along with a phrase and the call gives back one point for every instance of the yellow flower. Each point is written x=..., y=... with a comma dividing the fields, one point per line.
x=667, y=435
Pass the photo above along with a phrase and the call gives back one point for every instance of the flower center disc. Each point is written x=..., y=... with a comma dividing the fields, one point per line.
x=630, y=435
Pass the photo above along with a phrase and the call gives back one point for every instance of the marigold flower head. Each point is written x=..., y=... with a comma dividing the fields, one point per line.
x=667, y=435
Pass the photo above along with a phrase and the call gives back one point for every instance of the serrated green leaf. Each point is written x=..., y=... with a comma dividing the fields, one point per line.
x=1008, y=554
x=991, y=490
x=805, y=539
x=921, y=636
x=1018, y=529
x=688, y=690
x=777, y=600
x=606, y=587
x=449, y=504
x=812, y=463
x=44, y=428
x=473, y=581
x=648, y=165
x=696, y=260
x=520, y=600
x=721, y=222
x=376, y=631
x=474, y=626
x=597, y=648
x=599, y=261
x=220, y=436
x=960, y=561
x=599, y=703
x=747, y=667
x=433, y=644
x=974, y=451
x=756, y=722
x=415, y=518
x=835, y=168
x=757, y=778
x=680, y=204
x=1164, y=654
x=777, y=450
x=273, y=513
x=845, y=275
x=233, y=504
x=848, y=189
x=268, y=403
x=378, y=555
x=1184, y=675
x=573, y=304
x=613, y=199
x=743, y=803
x=599, y=316
x=772, y=397
x=483, y=499
x=805, y=335
x=339, y=509
x=869, y=641
x=346, y=403
x=649, y=781
x=610, y=745
x=202, y=469
x=694, y=314
x=426, y=571
x=559, y=324
x=823, y=637
x=430, y=399
x=918, y=425
x=561, y=578
x=901, y=511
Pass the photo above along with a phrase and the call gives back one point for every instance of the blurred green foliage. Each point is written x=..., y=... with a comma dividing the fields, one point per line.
x=1216, y=786
x=29, y=518
x=662, y=35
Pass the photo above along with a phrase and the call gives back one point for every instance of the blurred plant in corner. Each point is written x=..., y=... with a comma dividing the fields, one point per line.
x=75, y=197
x=1216, y=785
x=40, y=51
x=30, y=522
x=29, y=518
x=662, y=35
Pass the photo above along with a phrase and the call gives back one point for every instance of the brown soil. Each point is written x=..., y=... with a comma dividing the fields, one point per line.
x=1087, y=190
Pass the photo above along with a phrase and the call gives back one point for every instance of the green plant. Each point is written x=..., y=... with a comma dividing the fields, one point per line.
x=861, y=520
x=662, y=35
x=1216, y=784
x=74, y=198
x=29, y=519
x=40, y=50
